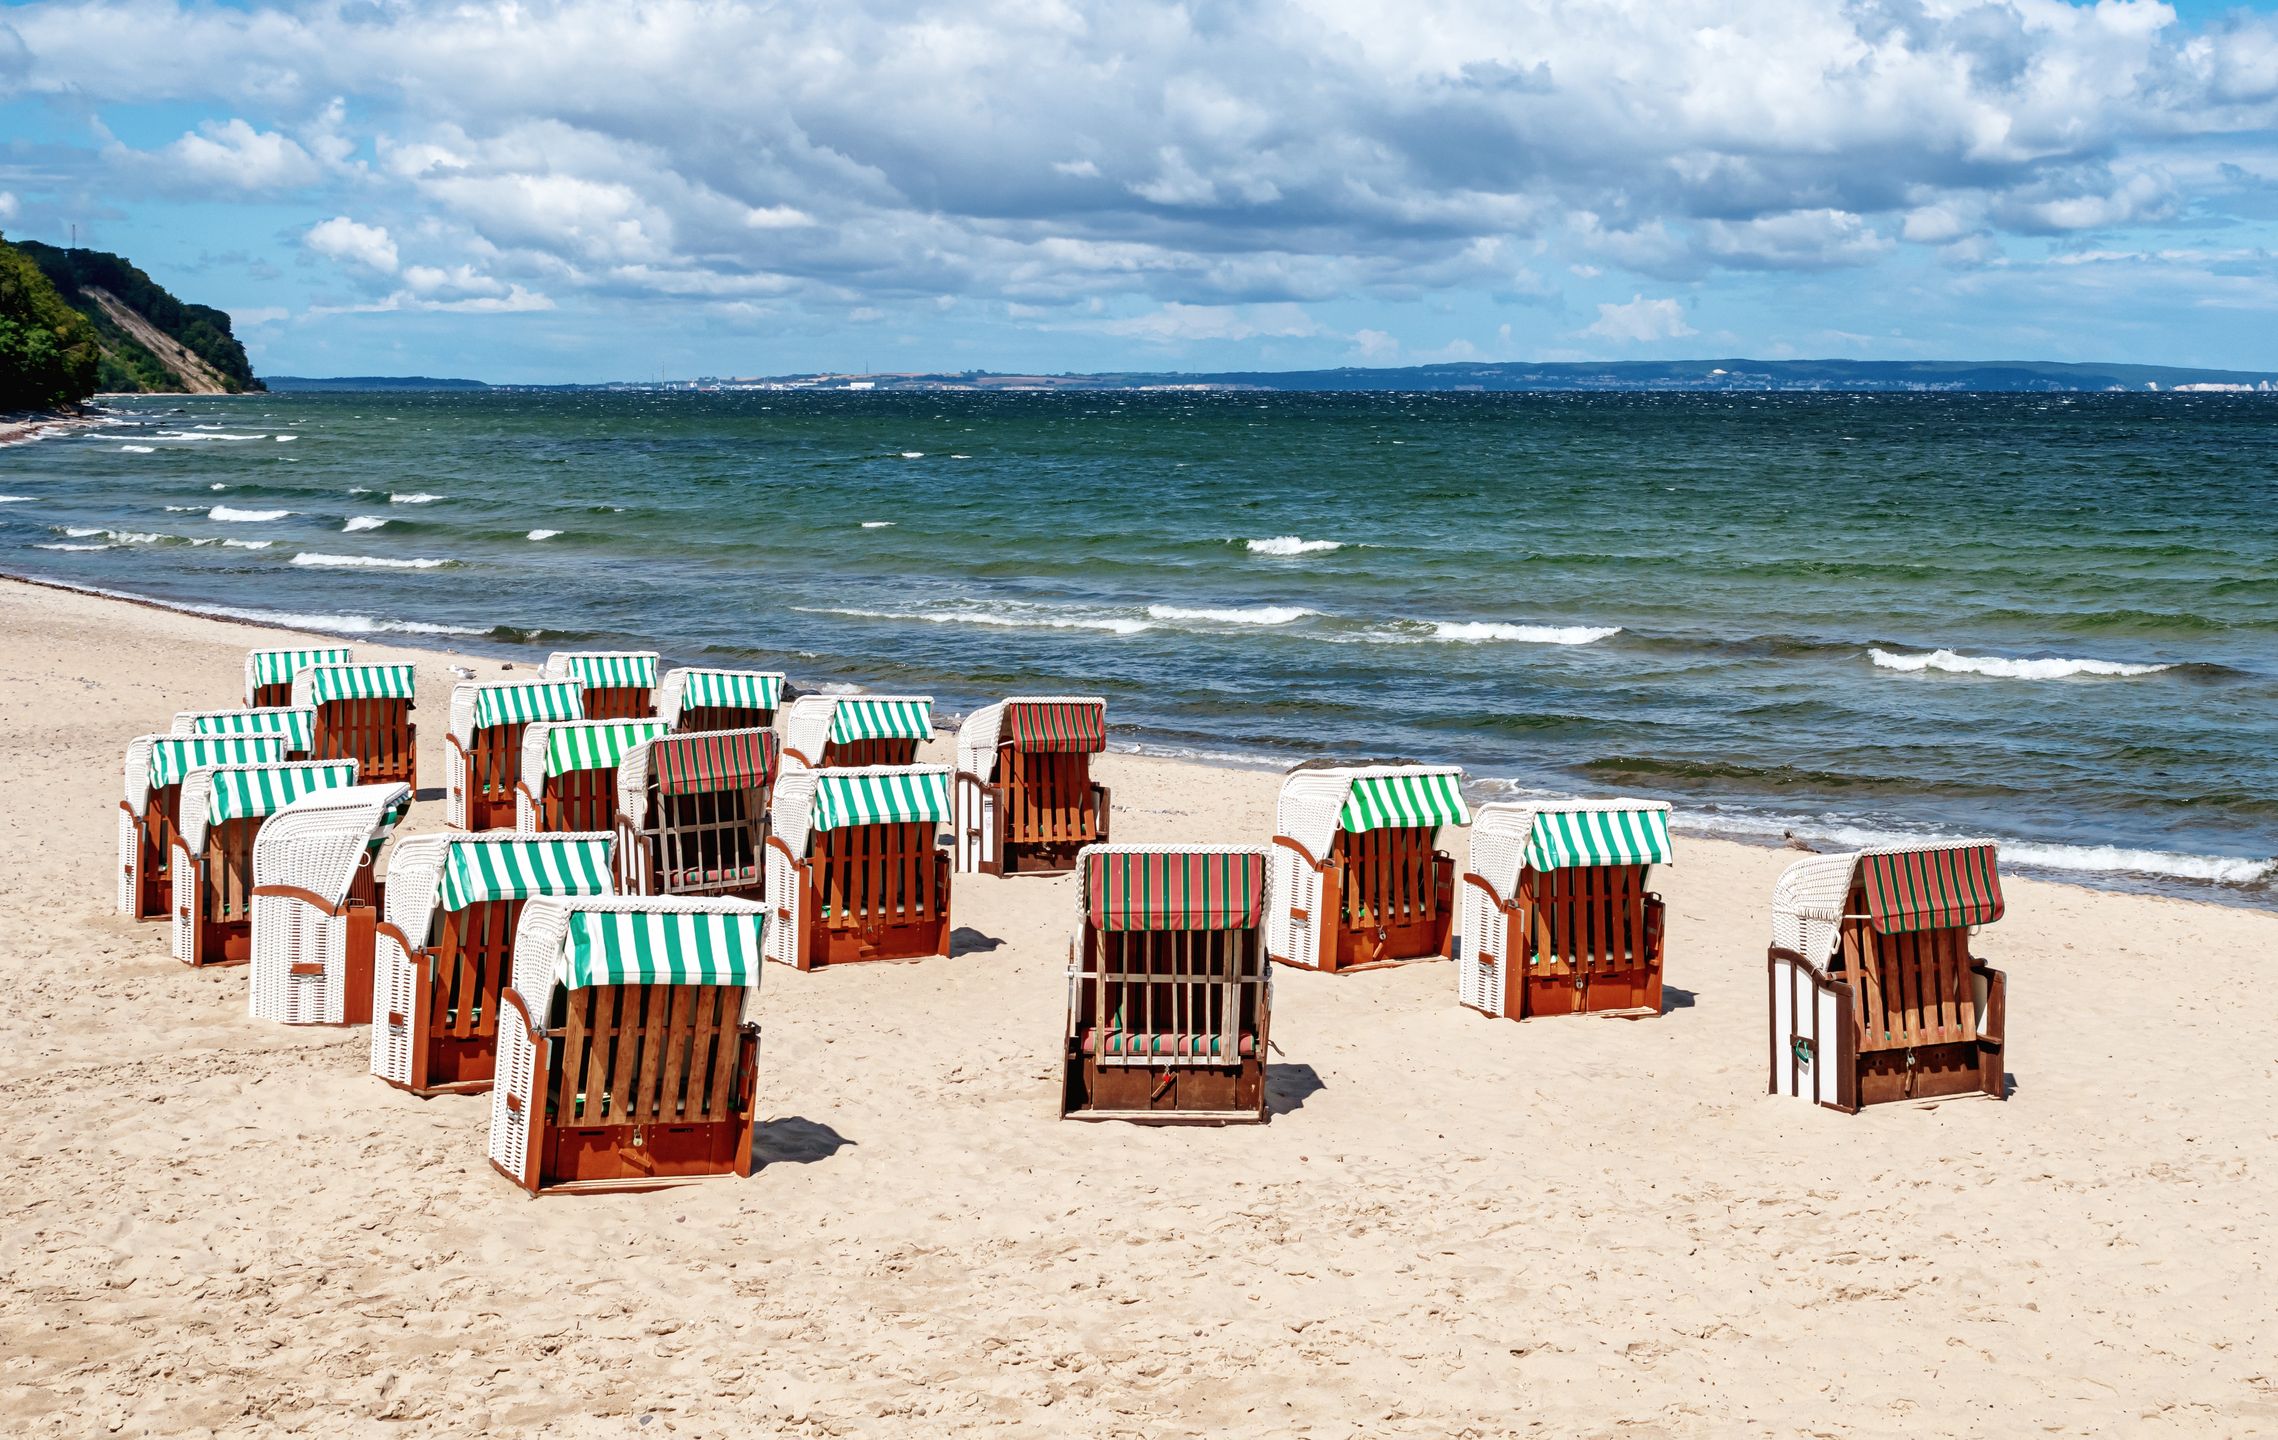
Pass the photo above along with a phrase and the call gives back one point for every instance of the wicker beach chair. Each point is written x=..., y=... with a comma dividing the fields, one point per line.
x=297, y=727
x=825, y=730
x=617, y=684
x=696, y=698
x=444, y=949
x=1025, y=798
x=482, y=754
x=854, y=868
x=269, y=673
x=1556, y=917
x=1169, y=992
x=692, y=813
x=1875, y=995
x=223, y=808
x=569, y=772
x=316, y=901
x=628, y=1054
x=363, y=713
x=1358, y=875
x=150, y=814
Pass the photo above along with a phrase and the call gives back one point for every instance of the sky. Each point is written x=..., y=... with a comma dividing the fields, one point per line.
x=550, y=192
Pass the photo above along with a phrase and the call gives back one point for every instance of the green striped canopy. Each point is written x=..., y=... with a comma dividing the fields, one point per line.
x=662, y=947
x=521, y=702
x=1395, y=802
x=477, y=870
x=359, y=682
x=1570, y=839
x=278, y=667
x=241, y=793
x=856, y=717
x=173, y=757
x=596, y=744
x=613, y=672
x=293, y=724
x=731, y=689
x=849, y=797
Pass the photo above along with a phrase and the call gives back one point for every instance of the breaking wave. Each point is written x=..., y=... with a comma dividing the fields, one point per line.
x=1292, y=545
x=363, y=522
x=236, y=516
x=2003, y=668
x=1251, y=615
x=366, y=562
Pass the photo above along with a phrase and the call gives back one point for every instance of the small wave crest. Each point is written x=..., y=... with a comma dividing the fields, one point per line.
x=2070, y=859
x=363, y=522
x=205, y=435
x=366, y=562
x=1480, y=632
x=877, y=524
x=68, y=545
x=1249, y=615
x=20, y=499
x=1293, y=545
x=233, y=515
x=2003, y=668
x=416, y=498
x=996, y=619
x=542, y=534
x=139, y=449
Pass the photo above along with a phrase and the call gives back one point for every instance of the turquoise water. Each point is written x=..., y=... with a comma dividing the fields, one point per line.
x=2053, y=619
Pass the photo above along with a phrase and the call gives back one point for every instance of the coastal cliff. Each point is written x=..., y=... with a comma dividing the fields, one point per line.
x=148, y=340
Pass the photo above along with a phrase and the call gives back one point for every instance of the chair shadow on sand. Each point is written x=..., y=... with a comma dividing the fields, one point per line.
x=1673, y=998
x=794, y=1141
x=965, y=940
x=1289, y=1086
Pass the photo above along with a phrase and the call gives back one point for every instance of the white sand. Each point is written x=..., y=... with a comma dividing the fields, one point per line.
x=1453, y=1225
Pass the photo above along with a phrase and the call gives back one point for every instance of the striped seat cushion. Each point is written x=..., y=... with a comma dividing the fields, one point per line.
x=717, y=875
x=1125, y=1042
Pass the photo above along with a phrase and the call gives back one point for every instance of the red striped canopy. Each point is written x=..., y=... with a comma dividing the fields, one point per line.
x=716, y=760
x=1072, y=727
x=1194, y=890
x=1931, y=889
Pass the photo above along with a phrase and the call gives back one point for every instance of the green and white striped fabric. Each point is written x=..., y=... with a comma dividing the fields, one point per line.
x=1396, y=802
x=1566, y=839
x=669, y=947
x=849, y=797
x=278, y=667
x=517, y=704
x=476, y=870
x=294, y=725
x=858, y=718
x=596, y=744
x=731, y=689
x=389, y=819
x=359, y=682
x=614, y=672
x=172, y=757
x=243, y=793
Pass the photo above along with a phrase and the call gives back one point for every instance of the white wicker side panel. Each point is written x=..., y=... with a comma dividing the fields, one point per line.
x=518, y=1067
x=1480, y=963
x=129, y=848
x=780, y=937
x=182, y=918
x=807, y=725
x=394, y=984
x=1292, y=885
x=454, y=787
x=285, y=933
x=975, y=822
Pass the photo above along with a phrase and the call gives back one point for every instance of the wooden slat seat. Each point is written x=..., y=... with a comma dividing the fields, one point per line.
x=1393, y=896
x=1170, y=1026
x=377, y=733
x=493, y=767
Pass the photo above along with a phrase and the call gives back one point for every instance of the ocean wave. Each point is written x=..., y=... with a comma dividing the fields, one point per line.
x=116, y=537
x=913, y=454
x=139, y=449
x=1292, y=545
x=995, y=619
x=247, y=544
x=185, y=509
x=205, y=435
x=1481, y=632
x=235, y=516
x=2071, y=859
x=68, y=545
x=877, y=524
x=366, y=562
x=1252, y=615
x=281, y=439
x=542, y=534
x=219, y=485
x=363, y=522
x=2002, y=668
x=20, y=499
x=417, y=498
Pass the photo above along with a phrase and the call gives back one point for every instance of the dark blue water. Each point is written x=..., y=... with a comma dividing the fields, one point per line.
x=2053, y=619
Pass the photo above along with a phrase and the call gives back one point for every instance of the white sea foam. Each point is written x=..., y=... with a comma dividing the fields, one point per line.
x=185, y=509
x=2072, y=859
x=365, y=562
x=1476, y=632
x=63, y=545
x=1252, y=615
x=79, y=532
x=224, y=512
x=543, y=534
x=116, y=537
x=2003, y=668
x=139, y=449
x=205, y=435
x=219, y=485
x=997, y=619
x=913, y=454
x=1292, y=545
x=363, y=522
x=20, y=499
x=281, y=439
x=876, y=524
x=247, y=544
x=418, y=498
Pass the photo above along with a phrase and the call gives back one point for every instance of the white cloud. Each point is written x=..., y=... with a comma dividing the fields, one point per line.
x=1176, y=323
x=341, y=238
x=1641, y=321
x=233, y=155
x=1797, y=240
x=1376, y=346
x=8, y=206
x=258, y=315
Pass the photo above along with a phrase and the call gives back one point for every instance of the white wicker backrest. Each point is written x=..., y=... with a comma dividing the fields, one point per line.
x=633, y=783
x=541, y=936
x=533, y=768
x=1500, y=831
x=317, y=842
x=1313, y=801
x=138, y=773
x=1807, y=904
x=793, y=808
x=977, y=741
x=807, y=725
x=415, y=877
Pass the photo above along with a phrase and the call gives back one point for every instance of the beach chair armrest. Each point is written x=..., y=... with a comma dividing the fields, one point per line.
x=1992, y=1002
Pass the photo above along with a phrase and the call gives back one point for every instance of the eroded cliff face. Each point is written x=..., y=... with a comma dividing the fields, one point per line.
x=151, y=341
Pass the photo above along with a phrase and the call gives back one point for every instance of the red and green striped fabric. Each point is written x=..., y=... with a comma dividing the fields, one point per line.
x=706, y=762
x=1931, y=889
x=1175, y=890
x=1056, y=727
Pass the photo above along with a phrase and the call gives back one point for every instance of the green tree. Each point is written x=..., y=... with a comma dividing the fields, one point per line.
x=48, y=351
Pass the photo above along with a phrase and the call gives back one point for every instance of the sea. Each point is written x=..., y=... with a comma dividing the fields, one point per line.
x=2051, y=619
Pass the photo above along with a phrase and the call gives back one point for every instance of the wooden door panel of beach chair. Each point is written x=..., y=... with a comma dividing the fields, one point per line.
x=1051, y=808
x=1590, y=940
x=580, y=800
x=220, y=914
x=1171, y=1024
x=1394, y=896
x=376, y=732
x=711, y=842
x=881, y=893
x=494, y=765
x=455, y=1032
x=157, y=835
x=877, y=750
x=649, y=1082
x=269, y=696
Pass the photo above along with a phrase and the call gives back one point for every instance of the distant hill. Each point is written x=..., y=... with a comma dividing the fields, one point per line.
x=49, y=355
x=150, y=340
x=371, y=382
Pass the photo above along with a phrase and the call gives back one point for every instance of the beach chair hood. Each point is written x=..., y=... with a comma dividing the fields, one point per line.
x=295, y=725
x=1058, y=723
x=478, y=705
x=603, y=669
x=1171, y=887
x=216, y=794
x=154, y=762
x=322, y=684
x=809, y=802
x=687, y=687
x=1316, y=804
x=1509, y=838
x=279, y=667
x=430, y=875
x=635, y=940
x=1908, y=888
x=705, y=762
x=816, y=721
x=557, y=747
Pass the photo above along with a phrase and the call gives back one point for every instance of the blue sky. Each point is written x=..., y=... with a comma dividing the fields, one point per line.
x=575, y=191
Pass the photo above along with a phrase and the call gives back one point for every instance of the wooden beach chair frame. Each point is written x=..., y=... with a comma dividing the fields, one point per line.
x=269, y=673
x=482, y=750
x=150, y=811
x=692, y=813
x=1177, y=931
x=1358, y=895
x=1557, y=918
x=698, y=697
x=1875, y=994
x=1026, y=801
x=569, y=772
x=316, y=903
x=618, y=684
x=842, y=889
x=223, y=808
x=444, y=948
x=583, y=1031
x=364, y=714
x=298, y=727
x=856, y=731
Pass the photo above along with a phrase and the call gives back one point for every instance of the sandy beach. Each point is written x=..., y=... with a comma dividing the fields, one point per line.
x=1452, y=1225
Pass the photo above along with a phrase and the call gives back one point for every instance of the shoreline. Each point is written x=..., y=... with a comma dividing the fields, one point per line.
x=2252, y=894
